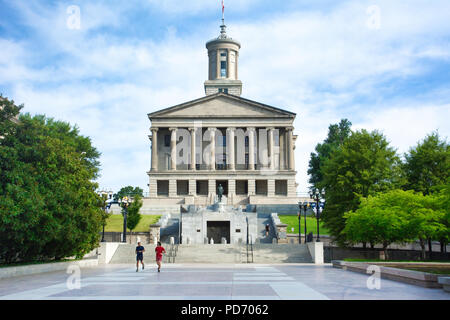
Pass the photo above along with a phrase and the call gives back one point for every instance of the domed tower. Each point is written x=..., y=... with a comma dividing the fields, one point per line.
x=223, y=53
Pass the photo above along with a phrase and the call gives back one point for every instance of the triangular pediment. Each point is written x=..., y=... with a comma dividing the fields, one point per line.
x=222, y=105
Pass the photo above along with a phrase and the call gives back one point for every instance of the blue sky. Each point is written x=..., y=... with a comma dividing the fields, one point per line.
x=382, y=64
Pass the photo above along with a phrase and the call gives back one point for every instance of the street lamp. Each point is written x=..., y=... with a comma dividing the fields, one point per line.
x=305, y=208
x=299, y=223
x=124, y=202
x=317, y=195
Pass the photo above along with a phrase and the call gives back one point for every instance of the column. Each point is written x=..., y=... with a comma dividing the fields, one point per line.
x=212, y=190
x=270, y=188
x=192, y=187
x=271, y=153
x=290, y=148
x=231, y=191
x=228, y=63
x=193, y=162
x=230, y=147
x=282, y=151
x=251, y=187
x=236, y=64
x=172, y=188
x=251, y=148
x=154, y=149
x=212, y=163
x=218, y=64
x=173, y=149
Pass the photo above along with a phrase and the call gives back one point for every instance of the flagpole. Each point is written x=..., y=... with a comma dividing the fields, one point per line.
x=223, y=12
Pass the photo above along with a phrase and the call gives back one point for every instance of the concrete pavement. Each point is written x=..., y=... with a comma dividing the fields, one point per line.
x=210, y=282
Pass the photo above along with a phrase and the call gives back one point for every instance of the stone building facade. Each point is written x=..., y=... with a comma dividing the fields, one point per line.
x=222, y=139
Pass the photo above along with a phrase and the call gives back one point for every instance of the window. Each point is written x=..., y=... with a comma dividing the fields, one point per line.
x=224, y=90
x=223, y=54
x=224, y=141
x=246, y=141
x=167, y=140
x=223, y=68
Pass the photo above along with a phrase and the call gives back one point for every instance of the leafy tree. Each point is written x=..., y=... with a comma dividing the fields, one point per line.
x=337, y=133
x=375, y=222
x=129, y=191
x=134, y=216
x=48, y=204
x=441, y=202
x=8, y=113
x=395, y=216
x=427, y=165
x=364, y=165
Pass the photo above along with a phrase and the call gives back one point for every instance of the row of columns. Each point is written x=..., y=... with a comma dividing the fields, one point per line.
x=230, y=131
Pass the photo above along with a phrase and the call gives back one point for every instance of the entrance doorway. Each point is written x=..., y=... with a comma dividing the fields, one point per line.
x=218, y=230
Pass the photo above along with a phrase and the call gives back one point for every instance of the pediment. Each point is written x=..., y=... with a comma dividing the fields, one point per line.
x=222, y=106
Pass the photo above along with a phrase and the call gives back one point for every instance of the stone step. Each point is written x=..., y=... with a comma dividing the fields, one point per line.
x=221, y=253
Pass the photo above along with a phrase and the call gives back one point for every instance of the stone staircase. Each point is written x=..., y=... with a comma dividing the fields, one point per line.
x=209, y=253
x=125, y=253
x=220, y=253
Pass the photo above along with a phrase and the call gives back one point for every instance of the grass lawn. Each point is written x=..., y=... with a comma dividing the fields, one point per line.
x=311, y=224
x=115, y=223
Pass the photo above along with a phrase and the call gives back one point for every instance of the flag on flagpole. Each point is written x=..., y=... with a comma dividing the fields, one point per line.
x=223, y=8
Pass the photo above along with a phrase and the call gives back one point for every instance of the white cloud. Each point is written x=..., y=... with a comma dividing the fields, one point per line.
x=312, y=62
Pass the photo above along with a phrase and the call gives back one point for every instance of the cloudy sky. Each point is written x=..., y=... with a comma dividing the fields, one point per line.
x=104, y=65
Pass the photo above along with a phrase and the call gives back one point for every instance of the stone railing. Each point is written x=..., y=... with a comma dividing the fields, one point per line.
x=279, y=227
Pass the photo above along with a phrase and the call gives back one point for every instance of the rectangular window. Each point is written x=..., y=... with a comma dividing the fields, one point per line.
x=167, y=140
x=223, y=68
x=246, y=141
x=224, y=141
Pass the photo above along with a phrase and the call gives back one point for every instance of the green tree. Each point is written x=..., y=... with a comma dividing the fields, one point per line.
x=48, y=205
x=375, y=222
x=128, y=191
x=364, y=165
x=134, y=216
x=395, y=216
x=337, y=133
x=427, y=165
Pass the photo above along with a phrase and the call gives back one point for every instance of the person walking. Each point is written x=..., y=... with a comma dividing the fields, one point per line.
x=267, y=229
x=139, y=256
x=159, y=254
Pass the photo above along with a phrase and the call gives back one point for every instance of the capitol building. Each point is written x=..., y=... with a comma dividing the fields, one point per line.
x=245, y=146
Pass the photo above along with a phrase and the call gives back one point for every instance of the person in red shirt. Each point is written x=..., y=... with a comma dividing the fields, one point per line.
x=159, y=254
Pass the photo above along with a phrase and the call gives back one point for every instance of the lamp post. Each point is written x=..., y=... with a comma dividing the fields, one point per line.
x=105, y=209
x=305, y=208
x=299, y=223
x=317, y=195
x=124, y=202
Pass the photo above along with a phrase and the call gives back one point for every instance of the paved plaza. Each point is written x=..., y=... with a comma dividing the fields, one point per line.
x=211, y=282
